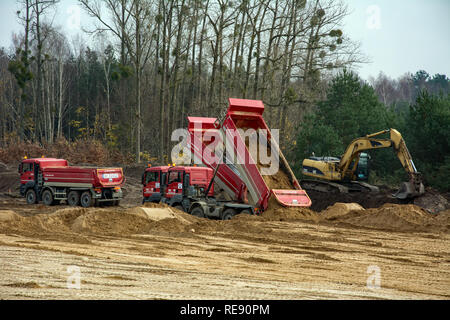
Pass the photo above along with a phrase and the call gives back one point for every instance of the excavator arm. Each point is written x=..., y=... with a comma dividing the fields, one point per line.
x=351, y=156
x=344, y=169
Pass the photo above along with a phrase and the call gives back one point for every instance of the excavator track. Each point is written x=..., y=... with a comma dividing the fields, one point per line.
x=328, y=186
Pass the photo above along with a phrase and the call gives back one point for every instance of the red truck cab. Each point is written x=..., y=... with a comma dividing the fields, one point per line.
x=181, y=177
x=51, y=180
x=154, y=180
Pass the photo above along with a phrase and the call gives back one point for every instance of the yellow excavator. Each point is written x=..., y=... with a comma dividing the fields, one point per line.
x=349, y=172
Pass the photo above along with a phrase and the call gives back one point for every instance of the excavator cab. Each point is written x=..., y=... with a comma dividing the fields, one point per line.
x=362, y=170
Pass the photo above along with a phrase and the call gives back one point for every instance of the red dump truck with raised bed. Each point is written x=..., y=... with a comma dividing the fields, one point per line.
x=241, y=178
x=190, y=189
x=52, y=180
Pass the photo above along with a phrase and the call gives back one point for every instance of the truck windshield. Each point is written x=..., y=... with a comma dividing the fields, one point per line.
x=26, y=167
x=152, y=177
x=175, y=176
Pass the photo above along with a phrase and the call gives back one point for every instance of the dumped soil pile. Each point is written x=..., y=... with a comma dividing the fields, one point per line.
x=54, y=226
x=69, y=221
x=339, y=209
x=277, y=212
x=279, y=180
x=432, y=201
x=392, y=217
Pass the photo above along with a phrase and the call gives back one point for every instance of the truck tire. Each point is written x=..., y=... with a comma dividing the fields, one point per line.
x=228, y=214
x=31, y=197
x=73, y=198
x=116, y=203
x=198, y=212
x=47, y=197
x=86, y=199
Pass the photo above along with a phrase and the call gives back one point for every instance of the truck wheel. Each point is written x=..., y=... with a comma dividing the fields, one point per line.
x=31, y=196
x=228, y=214
x=116, y=203
x=73, y=199
x=198, y=212
x=86, y=199
x=47, y=197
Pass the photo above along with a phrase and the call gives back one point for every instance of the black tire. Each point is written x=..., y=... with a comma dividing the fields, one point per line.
x=116, y=203
x=228, y=214
x=47, y=197
x=73, y=198
x=86, y=199
x=31, y=197
x=198, y=212
x=179, y=207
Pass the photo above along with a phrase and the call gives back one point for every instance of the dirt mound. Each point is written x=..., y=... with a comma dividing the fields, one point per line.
x=108, y=222
x=276, y=212
x=8, y=215
x=71, y=222
x=392, y=217
x=432, y=201
x=339, y=209
x=279, y=180
x=443, y=219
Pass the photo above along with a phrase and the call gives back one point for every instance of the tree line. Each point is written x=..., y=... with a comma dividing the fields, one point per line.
x=142, y=66
x=417, y=105
x=150, y=63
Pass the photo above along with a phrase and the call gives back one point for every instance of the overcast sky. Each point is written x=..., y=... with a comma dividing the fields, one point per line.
x=398, y=36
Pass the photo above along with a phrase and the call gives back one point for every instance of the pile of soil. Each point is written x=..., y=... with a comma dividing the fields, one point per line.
x=393, y=217
x=432, y=201
x=277, y=212
x=67, y=223
x=339, y=209
x=280, y=180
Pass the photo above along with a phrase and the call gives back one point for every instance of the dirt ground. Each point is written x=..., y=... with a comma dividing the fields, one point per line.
x=157, y=252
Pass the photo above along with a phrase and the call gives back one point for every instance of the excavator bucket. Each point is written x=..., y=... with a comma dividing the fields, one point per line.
x=292, y=198
x=409, y=190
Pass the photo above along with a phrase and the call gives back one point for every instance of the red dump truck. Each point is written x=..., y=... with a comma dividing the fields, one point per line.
x=242, y=178
x=51, y=180
x=189, y=189
x=154, y=182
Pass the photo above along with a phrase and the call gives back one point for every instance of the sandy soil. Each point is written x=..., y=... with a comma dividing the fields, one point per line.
x=157, y=252
x=161, y=253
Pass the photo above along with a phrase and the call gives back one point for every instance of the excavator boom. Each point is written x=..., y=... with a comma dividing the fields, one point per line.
x=342, y=170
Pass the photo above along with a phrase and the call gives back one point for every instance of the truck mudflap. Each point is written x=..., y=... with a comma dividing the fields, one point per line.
x=292, y=198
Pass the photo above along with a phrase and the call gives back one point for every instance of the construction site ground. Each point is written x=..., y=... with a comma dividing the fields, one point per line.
x=155, y=252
